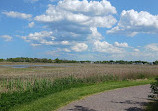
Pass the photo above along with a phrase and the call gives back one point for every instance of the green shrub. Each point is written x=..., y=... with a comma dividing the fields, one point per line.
x=153, y=106
x=154, y=89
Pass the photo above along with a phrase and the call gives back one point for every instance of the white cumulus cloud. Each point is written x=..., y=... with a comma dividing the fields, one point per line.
x=121, y=44
x=35, y=45
x=74, y=24
x=60, y=14
x=79, y=47
x=95, y=34
x=106, y=47
x=6, y=37
x=44, y=38
x=152, y=47
x=31, y=24
x=65, y=42
x=66, y=50
x=133, y=22
x=54, y=0
x=103, y=7
x=136, y=50
x=14, y=14
x=77, y=20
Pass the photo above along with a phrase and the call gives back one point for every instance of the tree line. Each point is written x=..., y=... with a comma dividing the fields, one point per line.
x=45, y=60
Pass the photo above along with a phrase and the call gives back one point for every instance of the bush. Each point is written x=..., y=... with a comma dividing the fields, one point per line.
x=153, y=106
x=154, y=89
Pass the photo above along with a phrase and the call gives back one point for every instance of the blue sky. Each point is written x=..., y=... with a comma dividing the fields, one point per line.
x=79, y=29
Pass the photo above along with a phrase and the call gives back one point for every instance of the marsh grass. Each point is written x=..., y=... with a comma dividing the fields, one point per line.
x=18, y=91
x=78, y=70
x=19, y=86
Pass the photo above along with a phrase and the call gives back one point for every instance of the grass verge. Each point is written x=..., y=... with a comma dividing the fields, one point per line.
x=54, y=101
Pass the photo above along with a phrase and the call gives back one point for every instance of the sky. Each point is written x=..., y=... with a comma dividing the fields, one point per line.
x=79, y=29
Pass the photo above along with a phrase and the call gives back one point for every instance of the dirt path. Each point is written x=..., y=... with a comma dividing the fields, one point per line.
x=124, y=99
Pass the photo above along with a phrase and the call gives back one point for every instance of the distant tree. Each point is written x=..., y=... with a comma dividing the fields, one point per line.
x=1, y=60
x=57, y=60
x=156, y=62
x=45, y=60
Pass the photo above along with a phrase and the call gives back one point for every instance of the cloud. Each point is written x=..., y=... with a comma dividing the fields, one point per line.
x=73, y=27
x=79, y=47
x=54, y=53
x=88, y=8
x=148, y=52
x=133, y=22
x=152, y=47
x=53, y=0
x=14, y=14
x=106, y=51
x=66, y=50
x=59, y=52
x=77, y=23
x=59, y=14
x=65, y=42
x=43, y=38
x=31, y=24
x=95, y=35
x=106, y=47
x=35, y=45
x=120, y=44
x=136, y=50
x=31, y=1
x=6, y=37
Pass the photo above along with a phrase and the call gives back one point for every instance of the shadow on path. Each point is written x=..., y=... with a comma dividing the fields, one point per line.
x=131, y=102
x=81, y=108
x=134, y=103
x=134, y=109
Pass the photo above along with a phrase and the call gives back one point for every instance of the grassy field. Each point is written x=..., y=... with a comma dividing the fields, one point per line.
x=56, y=100
x=77, y=70
x=20, y=86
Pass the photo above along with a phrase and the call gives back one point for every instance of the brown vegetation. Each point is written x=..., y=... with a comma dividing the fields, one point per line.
x=20, y=85
x=80, y=70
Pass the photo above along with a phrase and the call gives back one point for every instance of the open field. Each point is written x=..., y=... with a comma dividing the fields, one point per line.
x=77, y=70
x=23, y=85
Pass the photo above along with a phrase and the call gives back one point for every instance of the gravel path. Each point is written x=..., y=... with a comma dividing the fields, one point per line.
x=124, y=99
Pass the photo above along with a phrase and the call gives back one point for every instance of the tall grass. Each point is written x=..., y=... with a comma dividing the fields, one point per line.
x=18, y=91
x=18, y=86
x=79, y=70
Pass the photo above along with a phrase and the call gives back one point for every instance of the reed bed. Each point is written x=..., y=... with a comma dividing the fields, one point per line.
x=19, y=86
x=78, y=70
x=19, y=91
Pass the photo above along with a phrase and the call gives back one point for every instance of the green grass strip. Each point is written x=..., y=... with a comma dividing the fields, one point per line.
x=54, y=101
